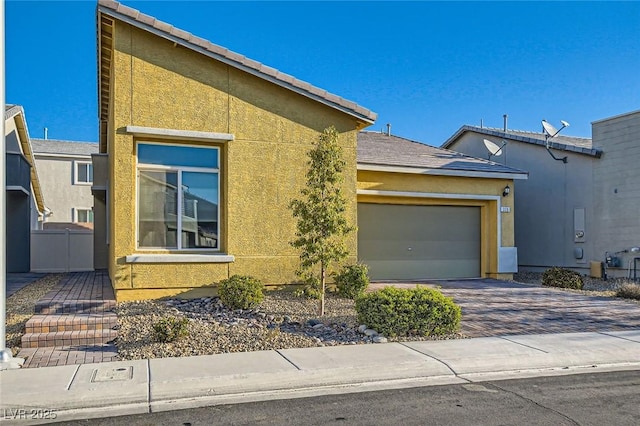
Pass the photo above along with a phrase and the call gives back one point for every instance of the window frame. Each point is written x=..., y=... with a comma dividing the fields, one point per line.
x=179, y=171
x=77, y=210
x=76, y=174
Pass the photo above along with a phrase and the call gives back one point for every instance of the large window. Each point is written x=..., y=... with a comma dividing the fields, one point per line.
x=178, y=197
x=83, y=173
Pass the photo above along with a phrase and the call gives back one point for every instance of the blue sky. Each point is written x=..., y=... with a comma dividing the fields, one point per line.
x=425, y=67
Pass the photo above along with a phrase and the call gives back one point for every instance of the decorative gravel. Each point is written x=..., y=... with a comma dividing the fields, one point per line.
x=592, y=286
x=282, y=321
x=20, y=307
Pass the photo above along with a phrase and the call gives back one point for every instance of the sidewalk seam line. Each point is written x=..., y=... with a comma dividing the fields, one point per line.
x=288, y=360
x=439, y=360
x=605, y=333
x=75, y=373
x=148, y=363
x=522, y=344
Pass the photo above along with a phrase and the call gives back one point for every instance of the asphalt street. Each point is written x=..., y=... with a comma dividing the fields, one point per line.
x=580, y=399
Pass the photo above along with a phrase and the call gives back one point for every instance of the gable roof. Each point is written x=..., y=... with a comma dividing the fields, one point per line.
x=113, y=9
x=53, y=146
x=563, y=143
x=16, y=112
x=381, y=152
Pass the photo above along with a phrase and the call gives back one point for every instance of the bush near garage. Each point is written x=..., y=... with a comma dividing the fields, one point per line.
x=408, y=312
x=352, y=280
x=629, y=290
x=241, y=292
x=563, y=278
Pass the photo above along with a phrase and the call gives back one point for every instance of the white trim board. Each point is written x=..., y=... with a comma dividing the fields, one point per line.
x=180, y=258
x=505, y=257
x=442, y=172
x=63, y=156
x=174, y=134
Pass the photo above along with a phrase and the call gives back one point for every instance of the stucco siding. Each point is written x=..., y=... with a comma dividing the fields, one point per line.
x=61, y=193
x=451, y=191
x=157, y=85
x=544, y=218
x=616, y=186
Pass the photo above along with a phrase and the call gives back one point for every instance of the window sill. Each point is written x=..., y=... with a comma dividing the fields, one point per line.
x=180, y=258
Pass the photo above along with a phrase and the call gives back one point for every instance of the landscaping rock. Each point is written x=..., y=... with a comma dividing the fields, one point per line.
x=282, y=321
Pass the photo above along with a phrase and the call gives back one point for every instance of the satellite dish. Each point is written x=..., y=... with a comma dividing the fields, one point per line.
x=552, y=132
x=549, y=129
x=493, y=148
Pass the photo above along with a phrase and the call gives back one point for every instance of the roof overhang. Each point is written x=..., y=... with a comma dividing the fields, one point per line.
x=107, y=15
x=105, y=57
x=17, y=113
x=592, y=152
x=442, y=172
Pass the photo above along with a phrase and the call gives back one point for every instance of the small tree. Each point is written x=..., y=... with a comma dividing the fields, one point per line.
x=322, y=223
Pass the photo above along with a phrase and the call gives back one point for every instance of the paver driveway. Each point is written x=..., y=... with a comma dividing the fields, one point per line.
x=499, y=308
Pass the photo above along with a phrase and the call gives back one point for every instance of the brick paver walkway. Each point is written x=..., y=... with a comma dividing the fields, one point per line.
x=499, y=308
x=73, y=324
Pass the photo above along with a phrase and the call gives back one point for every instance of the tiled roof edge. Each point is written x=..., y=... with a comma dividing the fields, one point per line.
x=593, y=152
x=459, y=154
x=136, y=18
x=12, y=111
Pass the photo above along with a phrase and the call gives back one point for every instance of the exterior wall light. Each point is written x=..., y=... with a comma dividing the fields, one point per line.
x=506, y=191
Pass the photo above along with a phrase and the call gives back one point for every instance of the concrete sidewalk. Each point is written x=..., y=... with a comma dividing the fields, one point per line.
x=129, y=387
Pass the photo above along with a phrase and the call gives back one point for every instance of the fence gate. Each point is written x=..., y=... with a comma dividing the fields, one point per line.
x=61, y=250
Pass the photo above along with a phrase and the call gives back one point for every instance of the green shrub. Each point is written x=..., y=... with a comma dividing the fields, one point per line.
x=241, y=292
x=400, y=312
x=563, y=278
x=310, y=289
x=352, y=280
x=629, y=290
x=170, y=329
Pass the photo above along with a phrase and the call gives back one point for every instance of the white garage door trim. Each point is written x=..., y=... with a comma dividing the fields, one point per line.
x=448, y=196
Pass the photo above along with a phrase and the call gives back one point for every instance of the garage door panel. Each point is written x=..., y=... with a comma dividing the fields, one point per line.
x=413, y=270
x=419, y=250
x=416, y=242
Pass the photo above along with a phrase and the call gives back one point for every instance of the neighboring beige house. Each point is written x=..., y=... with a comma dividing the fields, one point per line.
x=570, y=214
x=66, y=176
x=25, y=206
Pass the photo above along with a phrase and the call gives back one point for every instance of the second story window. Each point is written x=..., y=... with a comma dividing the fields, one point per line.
x=83, y=173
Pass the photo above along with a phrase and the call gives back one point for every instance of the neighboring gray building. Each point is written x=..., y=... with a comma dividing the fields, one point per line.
x=25, y=207
x=569, y=214
x=616, y=187
x=66, y=175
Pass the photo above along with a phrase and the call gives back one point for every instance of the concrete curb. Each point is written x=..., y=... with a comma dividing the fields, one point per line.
x=143, y=386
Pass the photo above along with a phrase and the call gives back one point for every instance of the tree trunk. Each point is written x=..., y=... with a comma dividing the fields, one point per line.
x=322, y=285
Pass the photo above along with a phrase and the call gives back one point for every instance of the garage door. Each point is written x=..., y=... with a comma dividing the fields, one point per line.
x=418, y=242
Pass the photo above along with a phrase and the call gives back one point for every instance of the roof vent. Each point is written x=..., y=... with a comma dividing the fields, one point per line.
x=388, y=129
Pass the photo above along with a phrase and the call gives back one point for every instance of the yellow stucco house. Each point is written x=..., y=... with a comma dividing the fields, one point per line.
x=202, y=149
